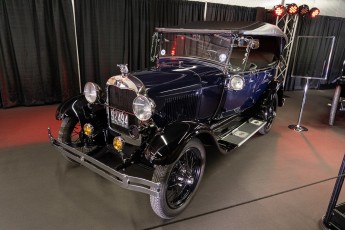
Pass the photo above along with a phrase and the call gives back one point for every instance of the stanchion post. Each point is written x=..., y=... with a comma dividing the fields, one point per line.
x=298, y=127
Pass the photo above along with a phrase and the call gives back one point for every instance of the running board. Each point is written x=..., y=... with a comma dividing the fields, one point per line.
x=241, y=134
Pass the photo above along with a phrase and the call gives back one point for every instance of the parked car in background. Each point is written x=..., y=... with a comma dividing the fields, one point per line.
x=213, y=83
x=338, y=102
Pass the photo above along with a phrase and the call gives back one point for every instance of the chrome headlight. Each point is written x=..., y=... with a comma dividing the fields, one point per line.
x=92, y=92
x=143, y=107
x=236, y=82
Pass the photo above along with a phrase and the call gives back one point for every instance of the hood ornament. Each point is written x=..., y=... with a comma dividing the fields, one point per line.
x=123, y=69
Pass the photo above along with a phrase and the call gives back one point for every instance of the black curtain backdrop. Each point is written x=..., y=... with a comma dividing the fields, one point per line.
x=112, y=32
x=320, y=26
x=38, y=62
x=221, y=12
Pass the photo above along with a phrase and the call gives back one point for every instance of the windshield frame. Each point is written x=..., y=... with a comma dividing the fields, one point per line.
x=233, y=40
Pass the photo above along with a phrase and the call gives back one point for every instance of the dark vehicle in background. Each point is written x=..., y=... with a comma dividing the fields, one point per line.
x=338, y=102
x=213, y=84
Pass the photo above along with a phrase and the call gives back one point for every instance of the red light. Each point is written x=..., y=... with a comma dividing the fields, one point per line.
x=292, y=9
x=314, y=12
x=173, y=52
x=279, y=10
x=182, y=38
x=303, y=10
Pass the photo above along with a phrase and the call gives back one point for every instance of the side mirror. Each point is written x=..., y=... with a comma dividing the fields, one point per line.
x=242, y=42
x=255, y=44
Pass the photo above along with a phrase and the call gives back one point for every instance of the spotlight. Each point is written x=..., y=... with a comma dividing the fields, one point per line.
x=279, y=10
x=303, y=10
x=292, y=9
x=314, y=12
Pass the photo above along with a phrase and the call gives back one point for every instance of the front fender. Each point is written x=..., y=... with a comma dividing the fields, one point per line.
x=65, y=108
x=78, y=106
x=165, y=147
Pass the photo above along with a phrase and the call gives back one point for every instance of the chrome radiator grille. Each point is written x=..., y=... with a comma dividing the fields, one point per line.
x=121, y=99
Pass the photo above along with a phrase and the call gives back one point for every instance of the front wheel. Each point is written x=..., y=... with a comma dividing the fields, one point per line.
x=180, y=180
x=334, y=106
x=71, y=133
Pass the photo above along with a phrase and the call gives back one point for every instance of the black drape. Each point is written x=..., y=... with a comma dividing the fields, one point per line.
x=222, y=12
x=37, y=52
x=112, y=32
x=320, y=26
x=38, y=63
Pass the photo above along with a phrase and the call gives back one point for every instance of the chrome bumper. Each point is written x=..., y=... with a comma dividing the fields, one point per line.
x=125, y=181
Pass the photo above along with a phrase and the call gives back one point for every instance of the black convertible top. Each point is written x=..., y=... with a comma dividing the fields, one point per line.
x=212, y=27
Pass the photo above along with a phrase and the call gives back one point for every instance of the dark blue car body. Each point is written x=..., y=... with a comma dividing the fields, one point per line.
x=212, y=84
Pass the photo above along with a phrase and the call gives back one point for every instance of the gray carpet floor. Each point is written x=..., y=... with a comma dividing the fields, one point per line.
x=282, y=180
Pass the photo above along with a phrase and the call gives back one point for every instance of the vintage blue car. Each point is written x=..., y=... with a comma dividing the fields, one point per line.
x=213, y=83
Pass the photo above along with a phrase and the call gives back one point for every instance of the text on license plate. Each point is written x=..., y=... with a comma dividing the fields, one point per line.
x=119, y=118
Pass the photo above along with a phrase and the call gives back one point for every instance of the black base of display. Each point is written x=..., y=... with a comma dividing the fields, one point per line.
x=337, y=219
x=335, y=215
x=298, y=128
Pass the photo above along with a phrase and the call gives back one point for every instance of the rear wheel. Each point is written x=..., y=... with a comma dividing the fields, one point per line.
x=334, y=106
x=180, y=180
x=270, y=112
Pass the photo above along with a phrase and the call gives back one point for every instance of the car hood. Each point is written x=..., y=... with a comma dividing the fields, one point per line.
x=169, y=77
x=163, y=76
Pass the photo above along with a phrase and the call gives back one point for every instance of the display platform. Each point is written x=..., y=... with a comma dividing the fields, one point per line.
x=283, y=180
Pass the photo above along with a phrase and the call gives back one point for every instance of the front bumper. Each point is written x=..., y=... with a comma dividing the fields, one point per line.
x=123, y=180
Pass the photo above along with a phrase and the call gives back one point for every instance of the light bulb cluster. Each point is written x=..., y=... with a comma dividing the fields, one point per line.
x=292, y=9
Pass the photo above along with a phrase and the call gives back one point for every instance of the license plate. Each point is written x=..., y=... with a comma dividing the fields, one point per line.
x=119, y=118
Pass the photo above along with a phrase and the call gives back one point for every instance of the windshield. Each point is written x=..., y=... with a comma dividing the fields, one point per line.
x=227, y=50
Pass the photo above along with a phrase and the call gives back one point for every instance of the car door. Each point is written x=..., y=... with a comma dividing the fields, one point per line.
x=236, y=101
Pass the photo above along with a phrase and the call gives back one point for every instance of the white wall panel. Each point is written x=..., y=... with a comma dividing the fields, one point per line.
x=334, y=8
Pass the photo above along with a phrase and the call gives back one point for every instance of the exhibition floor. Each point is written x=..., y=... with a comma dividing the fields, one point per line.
x=279, y=181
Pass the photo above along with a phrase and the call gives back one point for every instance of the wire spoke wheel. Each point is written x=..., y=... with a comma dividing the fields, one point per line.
x=185, y=175
x=270, y=114
x=180, y=180
x=71, y=133
x=75, y=136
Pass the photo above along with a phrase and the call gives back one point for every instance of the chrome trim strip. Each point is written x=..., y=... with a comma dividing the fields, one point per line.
x=123, y=83
x=264, y=30
x=198, y=31
x=123, y=180
x=129, y=82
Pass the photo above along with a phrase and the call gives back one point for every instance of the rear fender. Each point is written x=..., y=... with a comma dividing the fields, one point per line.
x=280, y=95
x=165, y=147
x=275, y=87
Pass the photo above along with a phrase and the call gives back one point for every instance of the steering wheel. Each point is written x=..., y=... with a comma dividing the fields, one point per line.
x=212, y=54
